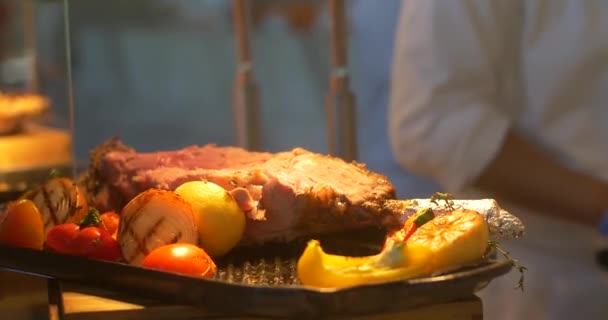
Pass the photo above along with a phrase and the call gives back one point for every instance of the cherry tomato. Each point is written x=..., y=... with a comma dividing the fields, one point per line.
x=181, y=258
x=110, y=220
x=21, y=225
x=96, y=243
x=89, y=242
x=61, y=238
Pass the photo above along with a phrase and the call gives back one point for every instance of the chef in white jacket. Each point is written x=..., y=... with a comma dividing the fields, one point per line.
x=372, y=27
x=509, y=99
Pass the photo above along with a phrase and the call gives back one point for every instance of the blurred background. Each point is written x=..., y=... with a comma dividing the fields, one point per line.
x=159, y=73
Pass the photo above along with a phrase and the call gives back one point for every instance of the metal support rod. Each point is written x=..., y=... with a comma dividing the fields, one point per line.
x=70, y=81
x=245, y=102
x=56, y=309
x=29, y=45
x=341, y=111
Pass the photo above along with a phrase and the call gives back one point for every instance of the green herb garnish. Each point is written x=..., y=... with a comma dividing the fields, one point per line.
x=92, y=219
x=54, y=173
x=446, y=197
x=516, y=264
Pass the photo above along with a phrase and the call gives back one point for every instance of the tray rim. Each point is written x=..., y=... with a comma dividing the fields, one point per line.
x=490, y=265
x=213, y=296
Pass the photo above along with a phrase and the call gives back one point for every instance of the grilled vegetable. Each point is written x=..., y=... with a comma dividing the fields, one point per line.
x=449, y=241
x=110, y=220
x=181, y=258
x=59, y=201
x=416, y=221
x=89, y=239
x=21, y=225
x=410, y=226
x=400, y=261
x=152, y=219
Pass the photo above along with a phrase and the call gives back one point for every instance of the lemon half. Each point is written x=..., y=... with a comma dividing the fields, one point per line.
x=219, y=219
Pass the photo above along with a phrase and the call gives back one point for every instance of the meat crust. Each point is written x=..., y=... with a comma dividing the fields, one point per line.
x=285, y=195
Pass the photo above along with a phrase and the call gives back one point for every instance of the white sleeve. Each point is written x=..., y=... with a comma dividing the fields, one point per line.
x=444, y=121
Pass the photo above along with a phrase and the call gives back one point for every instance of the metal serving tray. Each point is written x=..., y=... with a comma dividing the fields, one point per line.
x=254, y=284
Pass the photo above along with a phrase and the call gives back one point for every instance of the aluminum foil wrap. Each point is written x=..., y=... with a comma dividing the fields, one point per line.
x=502, y=224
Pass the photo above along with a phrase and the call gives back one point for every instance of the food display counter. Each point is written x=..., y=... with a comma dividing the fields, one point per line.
x=68, y=303
x=235, y=232
x=29, y=146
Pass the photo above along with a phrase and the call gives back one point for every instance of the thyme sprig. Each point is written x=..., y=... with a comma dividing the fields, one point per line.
x=516, y=264
x=446, y=197
x=92, y=219
x=54, y=173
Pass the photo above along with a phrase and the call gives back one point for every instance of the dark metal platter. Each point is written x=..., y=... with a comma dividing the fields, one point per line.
x=262, y=284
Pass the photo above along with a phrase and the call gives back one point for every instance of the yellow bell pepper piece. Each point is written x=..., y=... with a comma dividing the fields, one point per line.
x=445, y=242
x=319, y=269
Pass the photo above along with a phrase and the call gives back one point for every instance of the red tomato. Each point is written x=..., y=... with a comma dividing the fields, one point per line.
x=61, y=238
x=96, y=243
x=181, y=258
x=89, y=242
x=110, y=220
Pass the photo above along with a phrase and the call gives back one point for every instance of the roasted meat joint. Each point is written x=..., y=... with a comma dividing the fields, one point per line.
x=185, y=211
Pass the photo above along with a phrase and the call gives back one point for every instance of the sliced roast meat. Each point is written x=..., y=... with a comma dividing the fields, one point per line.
x=286, y=195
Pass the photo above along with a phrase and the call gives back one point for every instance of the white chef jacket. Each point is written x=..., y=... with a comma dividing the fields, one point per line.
x=465, y=71
x=371, y=32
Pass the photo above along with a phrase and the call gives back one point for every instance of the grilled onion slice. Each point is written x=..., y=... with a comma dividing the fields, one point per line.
x=152, y=219
x=59, y=201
